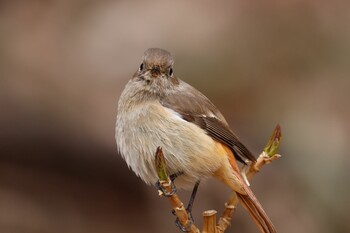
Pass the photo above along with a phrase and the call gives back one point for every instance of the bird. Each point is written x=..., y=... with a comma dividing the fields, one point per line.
x=158, y=109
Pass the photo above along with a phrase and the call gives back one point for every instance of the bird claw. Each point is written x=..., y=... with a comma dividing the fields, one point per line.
x=163, y=192
x=188, y=225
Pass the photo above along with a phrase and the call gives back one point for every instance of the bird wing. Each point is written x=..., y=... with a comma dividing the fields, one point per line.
x=196, y=108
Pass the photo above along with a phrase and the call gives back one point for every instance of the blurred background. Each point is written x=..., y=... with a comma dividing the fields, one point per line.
x=63, y=65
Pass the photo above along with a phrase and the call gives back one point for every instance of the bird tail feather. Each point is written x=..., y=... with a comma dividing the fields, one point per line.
x=254, y=208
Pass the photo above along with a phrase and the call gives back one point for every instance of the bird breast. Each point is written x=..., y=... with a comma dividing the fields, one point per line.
x=187, y=148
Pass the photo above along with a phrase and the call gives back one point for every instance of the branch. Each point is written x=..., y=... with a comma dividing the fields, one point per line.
x=267, y=156
x=167, y=188
x=225, y=219
x=209, y=223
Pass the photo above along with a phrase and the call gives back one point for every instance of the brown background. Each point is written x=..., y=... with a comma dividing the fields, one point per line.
x=64, y=63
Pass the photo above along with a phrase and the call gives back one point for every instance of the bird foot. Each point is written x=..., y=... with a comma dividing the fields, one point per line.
x=164, y=192
x=188, y=225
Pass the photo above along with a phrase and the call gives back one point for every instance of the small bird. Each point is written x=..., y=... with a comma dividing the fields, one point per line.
x=157, y=109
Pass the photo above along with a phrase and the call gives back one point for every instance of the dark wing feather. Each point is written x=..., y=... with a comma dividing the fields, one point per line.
x=194, y=107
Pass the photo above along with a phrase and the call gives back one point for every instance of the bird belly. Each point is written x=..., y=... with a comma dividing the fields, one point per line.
x=187, y=148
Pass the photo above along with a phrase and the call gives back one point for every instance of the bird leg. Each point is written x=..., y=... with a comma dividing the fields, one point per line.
x=193, y=196
x=172, y=177
x=165, y=193
x=188, y=209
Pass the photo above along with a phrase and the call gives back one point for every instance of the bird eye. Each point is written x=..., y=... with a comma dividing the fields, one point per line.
x=141, y=67
x=171, y=72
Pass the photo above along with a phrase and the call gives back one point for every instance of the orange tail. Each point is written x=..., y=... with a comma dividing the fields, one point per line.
x=249, y=201
x=252, y=205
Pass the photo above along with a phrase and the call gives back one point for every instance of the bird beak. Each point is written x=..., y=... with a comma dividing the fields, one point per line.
x=155, y=71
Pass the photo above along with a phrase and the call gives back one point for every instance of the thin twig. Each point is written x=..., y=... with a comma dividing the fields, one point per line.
x=167, y=190
x=225, y=219
x=209, y=224
x=267, y=156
